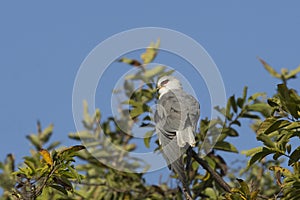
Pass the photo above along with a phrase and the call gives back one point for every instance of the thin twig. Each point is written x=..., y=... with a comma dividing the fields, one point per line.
x=214, y=174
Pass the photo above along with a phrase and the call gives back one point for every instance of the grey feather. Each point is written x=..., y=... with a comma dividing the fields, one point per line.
x=176, y=118
x=178, y=112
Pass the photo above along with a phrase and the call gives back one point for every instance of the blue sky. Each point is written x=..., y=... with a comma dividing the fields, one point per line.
x=42, y=45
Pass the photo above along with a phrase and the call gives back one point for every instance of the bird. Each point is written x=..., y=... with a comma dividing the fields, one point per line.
x=176, y=118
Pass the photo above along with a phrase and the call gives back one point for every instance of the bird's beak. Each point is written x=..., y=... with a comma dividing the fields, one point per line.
x=158, y=87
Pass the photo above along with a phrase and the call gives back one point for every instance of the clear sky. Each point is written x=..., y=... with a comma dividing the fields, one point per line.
x=42, y=45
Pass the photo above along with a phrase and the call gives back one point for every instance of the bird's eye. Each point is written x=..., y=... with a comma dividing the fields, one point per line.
x=164, y=82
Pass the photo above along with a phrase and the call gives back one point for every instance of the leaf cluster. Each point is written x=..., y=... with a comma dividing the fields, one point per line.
x=101, y=166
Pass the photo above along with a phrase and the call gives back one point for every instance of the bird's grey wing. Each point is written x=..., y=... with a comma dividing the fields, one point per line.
x=172, y=153
x=167, y=115
x=189, y=110
x=193, y=110
x=184, y=108
x=166, y=125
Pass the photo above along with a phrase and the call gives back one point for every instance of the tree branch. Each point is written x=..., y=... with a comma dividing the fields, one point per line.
x=214, y=174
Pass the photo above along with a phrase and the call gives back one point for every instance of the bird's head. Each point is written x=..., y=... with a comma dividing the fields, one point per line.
x=167, y=83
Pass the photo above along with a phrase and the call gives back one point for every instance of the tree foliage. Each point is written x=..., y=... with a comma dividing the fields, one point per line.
x=80, y=172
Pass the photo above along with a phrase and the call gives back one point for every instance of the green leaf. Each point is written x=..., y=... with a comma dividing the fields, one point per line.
x=97, y=115
x=245, y=93
x=276, y=126
x=129, y=147
x=233, y=103
x=263, y=108
x=147, y=138
x=282, y=170
x=87, y=119
x=259, y=155
x=294, y=109
x=74, y=173
x=166, y=73
x=266, y=140
x=283, y=91
x=46, y=193
x=129, y=61
x=31, y=166
x=154, y=71
x=289, y=148
x=283, y=140
x=254, y=194
x=266, y=124
x=150, y=52
x=293, y=125
x=294, y=96
x=46, y=134
x=59, y=188
x=252, y=151
x=210, y=162
x=230, y=132
x=236, y=122
x=147, y=95
x=277, y=155
x=250, y=116
x=128, y=87
x=82, y=135
x=240, y=101
x=244, y=187
x=133, y=103
x=34, y=140
x=295, y=156
x=210, y=192
x=270, y=69
x=53, y=145
x=227, y=111
x=137, y=76
x=274, y=102
x=225, y=146
x=293, y=73
x=223, y=111
x=256, y=95
x=222, y=137
x=136, y=112
x=73, y=149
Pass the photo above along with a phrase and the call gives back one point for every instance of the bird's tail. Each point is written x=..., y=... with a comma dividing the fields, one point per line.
x=178, y=167
x=185, y=185
x=174, y=156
